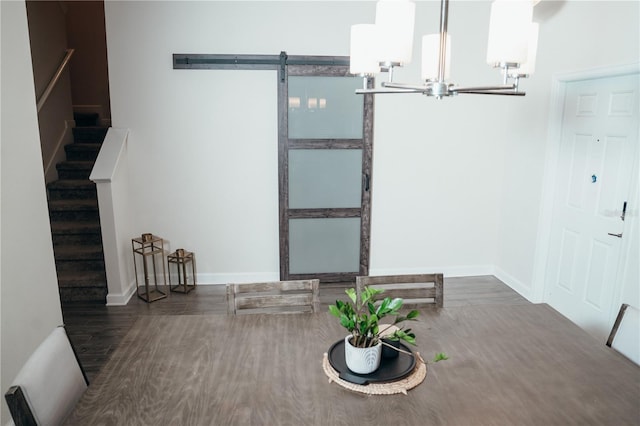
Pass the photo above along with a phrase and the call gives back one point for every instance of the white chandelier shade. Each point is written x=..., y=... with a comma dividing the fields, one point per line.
x=529, y=66
x=430, y=51
x=396, y=20
x=365, y=59
x=389, y=42
x=509, y=29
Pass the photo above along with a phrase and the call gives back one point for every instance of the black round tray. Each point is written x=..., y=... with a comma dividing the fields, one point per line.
x=390, y=369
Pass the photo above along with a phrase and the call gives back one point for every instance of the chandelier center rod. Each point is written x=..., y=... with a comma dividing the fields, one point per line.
x=444, y=18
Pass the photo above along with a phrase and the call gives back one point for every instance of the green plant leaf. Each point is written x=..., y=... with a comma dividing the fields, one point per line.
x=410, y=339
x=440, y=356
x=351, y=292
x=399, y=319
x=373, y=291
x=395, y=304
x=413, y=314
x=334, y=310
x=347, y=322
x=384, y=305
x=407, y=337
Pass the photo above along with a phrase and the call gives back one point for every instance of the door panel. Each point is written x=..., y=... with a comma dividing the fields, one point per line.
x=324, y=245
x=598, y=145
x=326, y=178
x=322, y=107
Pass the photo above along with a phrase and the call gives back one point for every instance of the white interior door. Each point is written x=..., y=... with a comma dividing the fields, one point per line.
x=599, y=143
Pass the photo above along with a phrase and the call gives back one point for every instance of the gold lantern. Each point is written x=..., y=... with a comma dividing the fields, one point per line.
x=148, y=252
x=181, y=259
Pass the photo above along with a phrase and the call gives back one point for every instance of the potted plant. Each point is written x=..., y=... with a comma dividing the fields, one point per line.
x=363, y=346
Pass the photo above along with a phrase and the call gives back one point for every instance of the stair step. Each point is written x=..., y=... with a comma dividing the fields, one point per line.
x=89, y=133
x=74, y=169
x=72, y=205
x=83, y=295
x=75, y=227
x=86, y=119
x=67, y=189
x=76, y=233
x=79, y=265
x=74, y=210
x=82, y=279
x=78, y=258
x=74, y=252
x=82, y=151
x=76, y=239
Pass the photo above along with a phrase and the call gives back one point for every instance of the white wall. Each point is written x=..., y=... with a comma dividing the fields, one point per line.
x=457, y=182
x=30, y=305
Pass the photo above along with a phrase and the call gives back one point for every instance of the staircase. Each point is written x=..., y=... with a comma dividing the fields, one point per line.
x=75, y=220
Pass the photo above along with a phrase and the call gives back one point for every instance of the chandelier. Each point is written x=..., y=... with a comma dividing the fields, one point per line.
x=388, y=44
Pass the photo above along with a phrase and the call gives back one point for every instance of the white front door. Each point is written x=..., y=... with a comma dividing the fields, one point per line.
x=599, y=143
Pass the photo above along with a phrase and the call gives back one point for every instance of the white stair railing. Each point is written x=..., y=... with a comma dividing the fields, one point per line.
x=110, y=174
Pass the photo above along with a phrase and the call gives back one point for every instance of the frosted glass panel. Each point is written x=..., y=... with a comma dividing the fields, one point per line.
x=324, y=245
x=325, y=108
x=325, y=178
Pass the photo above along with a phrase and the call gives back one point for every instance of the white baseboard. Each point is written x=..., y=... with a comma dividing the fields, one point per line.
x=221, y=279
x=448, y=271
x=524, y=290
x=121, y=299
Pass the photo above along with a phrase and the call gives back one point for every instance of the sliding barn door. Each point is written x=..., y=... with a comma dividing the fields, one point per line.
x=325, y=143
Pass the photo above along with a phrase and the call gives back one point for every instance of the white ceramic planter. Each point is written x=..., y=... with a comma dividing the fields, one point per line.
x=362, y=360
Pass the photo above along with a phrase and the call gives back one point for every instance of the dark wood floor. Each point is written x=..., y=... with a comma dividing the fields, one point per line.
x=97, y=330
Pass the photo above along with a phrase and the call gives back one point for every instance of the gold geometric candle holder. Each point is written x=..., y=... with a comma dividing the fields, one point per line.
x=148, y=257
x=180, y=259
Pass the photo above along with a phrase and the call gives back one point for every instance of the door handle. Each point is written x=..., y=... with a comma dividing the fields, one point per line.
x=366, y=182
x=615, y=235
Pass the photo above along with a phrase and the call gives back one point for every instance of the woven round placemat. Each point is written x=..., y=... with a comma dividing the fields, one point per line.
x=416, y=377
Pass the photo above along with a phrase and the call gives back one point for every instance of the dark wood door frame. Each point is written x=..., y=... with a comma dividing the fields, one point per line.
x=334, y=66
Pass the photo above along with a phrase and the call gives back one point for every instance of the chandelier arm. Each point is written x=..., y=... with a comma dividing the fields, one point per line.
x=484, y=88
x=415, y=87
x=491, y=92
x=384, y=91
